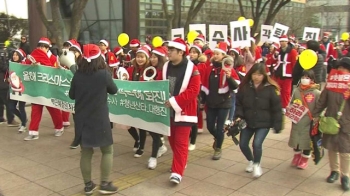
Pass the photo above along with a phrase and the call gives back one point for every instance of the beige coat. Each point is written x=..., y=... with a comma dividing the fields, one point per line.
x=331, y=101
x=300, y=133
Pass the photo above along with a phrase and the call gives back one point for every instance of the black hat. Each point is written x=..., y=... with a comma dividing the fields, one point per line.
x=345, y=62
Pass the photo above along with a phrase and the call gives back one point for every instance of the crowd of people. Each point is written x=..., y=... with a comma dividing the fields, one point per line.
x=252, y=86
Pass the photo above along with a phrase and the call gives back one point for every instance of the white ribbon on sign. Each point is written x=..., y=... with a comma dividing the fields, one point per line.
x=311, y=33
x=179, y=32
x=240, y=34
x=278, y=31
x=265, y=32
x=215, y=32
x=200, y=28
x=145, y=77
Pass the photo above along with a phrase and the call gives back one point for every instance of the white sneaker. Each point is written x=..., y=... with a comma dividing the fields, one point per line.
x=250, y=167
x=162, y=140
x=257, y=171
x=59, y=132
x=191, y=147
x=152, y=163
x=162, y=150
x=22, y=129
x=31, y=137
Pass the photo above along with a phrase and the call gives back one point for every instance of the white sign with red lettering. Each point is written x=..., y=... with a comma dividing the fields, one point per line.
x=295, y=112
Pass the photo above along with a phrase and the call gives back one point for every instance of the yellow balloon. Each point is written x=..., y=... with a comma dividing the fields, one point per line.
x=157, y=42
x=191, y=36
x=308, y=59
x=241, y=18
x=123, y=39
x=251, y=22
x=345, y=36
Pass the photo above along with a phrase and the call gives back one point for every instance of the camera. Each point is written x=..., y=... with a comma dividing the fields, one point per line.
x=233, y=128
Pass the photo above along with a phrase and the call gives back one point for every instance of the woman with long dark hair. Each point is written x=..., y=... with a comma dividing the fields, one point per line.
x=89, y=88
x=258, y=103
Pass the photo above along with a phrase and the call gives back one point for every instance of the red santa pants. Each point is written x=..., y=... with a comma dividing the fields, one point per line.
x=178, y=140
x=37, y=111
x=200, y=121
x=286, y=88
x=65, y=118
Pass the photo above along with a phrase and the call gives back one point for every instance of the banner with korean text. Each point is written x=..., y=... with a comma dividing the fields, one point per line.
x=137, y=104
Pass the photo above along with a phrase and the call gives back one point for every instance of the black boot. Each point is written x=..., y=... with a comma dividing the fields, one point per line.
x=333, y=177
x=345, y=183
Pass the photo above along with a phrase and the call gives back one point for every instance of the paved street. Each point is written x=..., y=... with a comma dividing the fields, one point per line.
x=48, y=167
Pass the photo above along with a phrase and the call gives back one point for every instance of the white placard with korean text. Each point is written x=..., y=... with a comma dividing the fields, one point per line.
x=278, y=31
x=311, y=33
x=179, y=32
x=240, y=34
x=265, y=33
x=217, y=33
x=295, y=112
x=200, y=28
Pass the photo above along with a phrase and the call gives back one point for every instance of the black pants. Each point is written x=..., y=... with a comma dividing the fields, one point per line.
x=141, y=140
x=4, y=101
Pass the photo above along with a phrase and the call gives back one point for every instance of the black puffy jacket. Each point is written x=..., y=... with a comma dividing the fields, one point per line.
x=260, y=108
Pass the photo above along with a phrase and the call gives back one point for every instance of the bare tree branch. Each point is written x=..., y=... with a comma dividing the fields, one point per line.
x=75, y=24
x=241, y=7
x=252, y=6
x=42, y=15
x=165, y=8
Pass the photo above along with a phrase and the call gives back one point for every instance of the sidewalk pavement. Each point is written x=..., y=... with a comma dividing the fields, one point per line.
x=48, y=167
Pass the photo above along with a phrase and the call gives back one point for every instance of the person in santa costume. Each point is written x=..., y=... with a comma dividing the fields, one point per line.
x=219, y=80
x=110, y=58
x=270, y=60
x=258, y=51
x=331, y=54
x=134, y=46
x=18, y=56
x=136, y=73
x=40, y=56
x=200, y=60
x=185, y=81
x=121, y=56
x=284, y=63
x=200, y=40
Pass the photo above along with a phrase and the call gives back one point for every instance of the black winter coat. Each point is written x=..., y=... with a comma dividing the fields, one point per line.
x=260, y=108
x=318, y=70
x=91, y=119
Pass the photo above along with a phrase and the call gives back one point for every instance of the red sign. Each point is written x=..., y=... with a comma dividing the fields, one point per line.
x=295, y=112
x=338, y=81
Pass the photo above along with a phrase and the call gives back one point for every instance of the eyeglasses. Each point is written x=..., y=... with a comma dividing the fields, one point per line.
x=23, y=38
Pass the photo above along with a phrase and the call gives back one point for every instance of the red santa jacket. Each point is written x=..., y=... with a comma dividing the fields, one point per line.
x=287, y=61
x=269, y=63
x=130, y=55
x=111, y=59
x=185, y=103
x=131, y=72
x=42, y=58
x=330, y=51
x=223, y=85
x=258, y=54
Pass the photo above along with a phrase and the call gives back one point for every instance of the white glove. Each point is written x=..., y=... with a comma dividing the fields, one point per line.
x=67, y=58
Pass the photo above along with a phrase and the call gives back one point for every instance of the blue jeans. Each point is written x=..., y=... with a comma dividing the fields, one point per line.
x=233, y=106
x=217, y=116
x=259, y=137
x=20, y=112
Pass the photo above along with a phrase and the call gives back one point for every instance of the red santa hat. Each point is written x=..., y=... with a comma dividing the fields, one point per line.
x=284, y=38
x=276, y=45
x=161, y=51
x=91, y=51
x=71, y=41
x=105, y=42
x=117, y=50
x=21, y=52
x=221, y=47
x=341, y=43
x=198, y=47
x=180, y=44
x=134, y=43
x=200, y=37
x=302, y=46
x=292, y=37
x=148, y=47
x=143, y=50
x=326, y=34
x=45, y=40
x=76, y=45
x=236, y=50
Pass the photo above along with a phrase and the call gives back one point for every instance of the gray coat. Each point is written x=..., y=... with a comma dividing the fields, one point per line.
x=331, y=101
x=91, y=119
x=300, y=134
